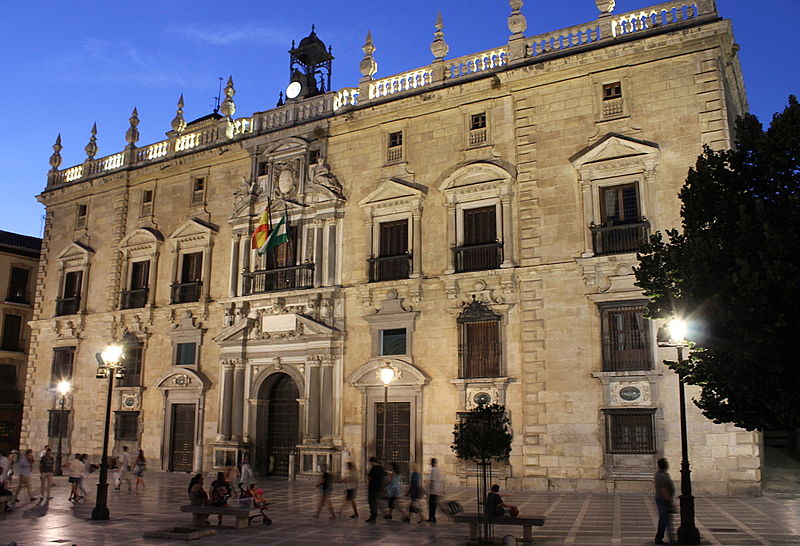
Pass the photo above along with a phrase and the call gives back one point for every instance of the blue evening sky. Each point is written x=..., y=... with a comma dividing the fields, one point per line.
x=69, y=64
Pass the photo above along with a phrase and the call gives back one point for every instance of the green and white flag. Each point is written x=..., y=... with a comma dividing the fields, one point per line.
x=277, y=236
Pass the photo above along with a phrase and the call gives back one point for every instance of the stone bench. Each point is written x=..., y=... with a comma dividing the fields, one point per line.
x=243, y=514
x=474, y=520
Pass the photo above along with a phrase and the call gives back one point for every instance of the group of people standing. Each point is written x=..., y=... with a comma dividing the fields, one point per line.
x=385, y=486
x=126, y=465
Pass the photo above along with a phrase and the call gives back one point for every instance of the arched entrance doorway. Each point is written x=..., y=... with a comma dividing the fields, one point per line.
x=278, y=424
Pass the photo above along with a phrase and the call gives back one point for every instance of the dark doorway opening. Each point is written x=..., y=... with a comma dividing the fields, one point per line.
x=181, y=447
x=278, y=425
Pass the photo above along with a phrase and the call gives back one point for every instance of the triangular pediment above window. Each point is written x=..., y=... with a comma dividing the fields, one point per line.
x=140, y=237
x=473, y=174
x=612, y=147
x=194, y=227
x=394, y=189
x=76, y=254
x=286, y=147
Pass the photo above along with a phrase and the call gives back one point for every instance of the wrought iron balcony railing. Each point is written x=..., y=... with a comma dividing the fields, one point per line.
x=619, y=239
x=389, y=268
x=283, y=278
x=186, y=292
x=133, y=299
x=478, y=257
x=67, y=306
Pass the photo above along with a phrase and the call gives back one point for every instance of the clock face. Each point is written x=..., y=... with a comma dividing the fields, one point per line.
x=293, y=90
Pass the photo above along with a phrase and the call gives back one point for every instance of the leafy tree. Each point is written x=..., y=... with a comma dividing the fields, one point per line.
x=734, y=273
x=483, y=435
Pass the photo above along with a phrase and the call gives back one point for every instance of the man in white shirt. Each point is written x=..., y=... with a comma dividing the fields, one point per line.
x=435, y=489
x=125, y=463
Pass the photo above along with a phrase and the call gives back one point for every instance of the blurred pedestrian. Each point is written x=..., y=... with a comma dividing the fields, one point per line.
x=665, y=494
x=415, y=494
x=375, y=479
x=46, y=467
x=87, y=469
x=138, y=469
x=392, y=489
x=75, y=469
x=25, y=468
x=325, y=486
x=350, y=480
x=125, y=464
x=435, y=489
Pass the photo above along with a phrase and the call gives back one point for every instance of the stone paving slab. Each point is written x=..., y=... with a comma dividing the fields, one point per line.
x=572, y=518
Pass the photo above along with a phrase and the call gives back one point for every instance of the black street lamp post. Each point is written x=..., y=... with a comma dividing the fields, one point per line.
x=109, y=368
x=63, y=389
x=687, y=532
x=386, y=375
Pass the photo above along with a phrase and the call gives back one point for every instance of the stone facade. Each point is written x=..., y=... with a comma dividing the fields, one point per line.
x=471, y=224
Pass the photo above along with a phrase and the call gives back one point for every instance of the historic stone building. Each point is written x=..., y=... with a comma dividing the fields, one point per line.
x=471, y=224
x=19, y=260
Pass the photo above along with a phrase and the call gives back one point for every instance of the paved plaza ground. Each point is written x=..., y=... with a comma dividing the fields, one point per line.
x=572, y=518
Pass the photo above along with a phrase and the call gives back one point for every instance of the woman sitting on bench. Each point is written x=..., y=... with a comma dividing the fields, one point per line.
x=197, y=495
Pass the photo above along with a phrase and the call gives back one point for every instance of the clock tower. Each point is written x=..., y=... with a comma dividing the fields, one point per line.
x=309, y=68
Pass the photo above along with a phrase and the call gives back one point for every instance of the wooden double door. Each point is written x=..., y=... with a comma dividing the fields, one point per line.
x=398, y=435
x=181, y=448
x=278, y=425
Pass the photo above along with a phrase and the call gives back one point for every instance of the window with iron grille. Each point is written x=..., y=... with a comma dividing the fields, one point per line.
x=479, y=341
x=626, y=337
x=12, y=326
x=147, y=203
x=62, y=364
x=393, y=341
x=394, y=150
x=133, y=365
x=630, y=431
x=186, y=354
x=126, y=425
x=18, y=287
x=58, y=424
x=198, y=191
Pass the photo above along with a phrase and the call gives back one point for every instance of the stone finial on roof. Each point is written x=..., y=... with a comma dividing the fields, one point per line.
x=517, y=23
x=132, y=134
x=605, y=6
x=91, y=146
x=439, y=47
x=368, y=64
x=228, y=107
x=178, y=123
x=55, y=159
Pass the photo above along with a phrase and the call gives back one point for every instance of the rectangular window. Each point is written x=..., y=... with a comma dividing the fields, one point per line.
x=612, y=91
x=69, y=303
x=58, y=424
x=393, y=342
x=147, y=203
x=622, y=227
x=619, y=205
x=263, y=168
x=133, y=365
x=198, y=191
x=80, y=220
x=188, y=289
x=140, y=275
x=62, y=364
x=186, y=354
x=126, y=425
x=626, y=337
x=477, y=129
x=393, y=260
x=630, y=432
x=480, y=349
x=12, y=326
x=477, y=121
x=394, y=150
x=18, y=287
x=480, y=249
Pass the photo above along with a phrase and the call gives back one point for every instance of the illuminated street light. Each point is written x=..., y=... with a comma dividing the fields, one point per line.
x=387, y=375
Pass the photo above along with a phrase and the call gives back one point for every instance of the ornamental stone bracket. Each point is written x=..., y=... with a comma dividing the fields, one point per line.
x=181, y=378
x=70, y=328
x=629, y=388
x=497, y=287
x=609, y=274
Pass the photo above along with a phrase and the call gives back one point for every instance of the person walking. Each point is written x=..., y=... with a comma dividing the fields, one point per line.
x=435, y=489
x=375, y=479
x=25, y=470
x=325, y=486
x=246, y=478
x=75, y=469
x=665, y=493
x=46, y=467
x=87, y=469
x=392, y=490
x=231, y=474
x=350, y=480
x=415, y=494
x=125, y=464
x=138, y=469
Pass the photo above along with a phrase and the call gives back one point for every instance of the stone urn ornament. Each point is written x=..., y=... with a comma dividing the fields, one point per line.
x=605, y=6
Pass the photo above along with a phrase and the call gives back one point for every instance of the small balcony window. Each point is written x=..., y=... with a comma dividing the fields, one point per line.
x=18, y=287
x=612, y=100
x=198, y=191
x=477, y=129
x=80, y=220
x=147, y=203
x=394, y=150
x=393, y=261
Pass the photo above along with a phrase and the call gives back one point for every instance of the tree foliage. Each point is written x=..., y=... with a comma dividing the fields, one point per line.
x=482, y=435
x=734, y=273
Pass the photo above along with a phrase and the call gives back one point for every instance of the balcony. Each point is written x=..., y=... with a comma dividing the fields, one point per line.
x=186, y=292
x=133, y=299
x=283, y=278
x=67, y=306
x=389, y=268
x=478, y=257
x=618, y=239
